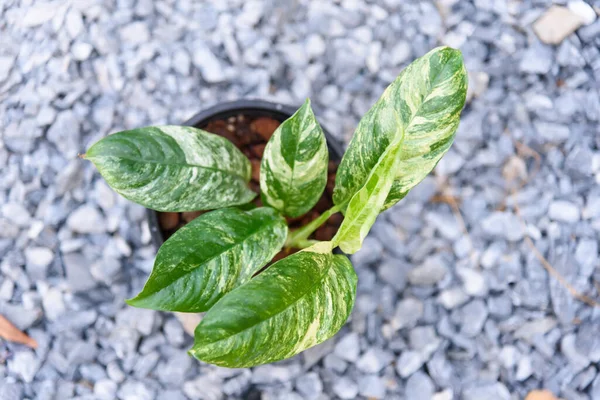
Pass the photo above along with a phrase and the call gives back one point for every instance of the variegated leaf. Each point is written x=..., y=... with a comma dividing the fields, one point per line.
x=428, y=97
x=210, y=256
x=293, y=172
x=173, y=168
x=295, y=304
x=365, y=205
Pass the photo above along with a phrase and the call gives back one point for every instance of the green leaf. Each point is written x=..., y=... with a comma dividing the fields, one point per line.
x=428, y=96
x=296, y=303
x=293, y=172
x=365, y=205
x=174, y=168
x=209, y=257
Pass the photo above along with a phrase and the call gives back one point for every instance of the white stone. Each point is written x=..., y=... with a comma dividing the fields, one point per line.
x=503, y=224
x=133, y=390
x=181, y=62
x=473, y=281
x=524, y=369
x=53, y=303
x=478, y=84
x=408, y=312
x=537, y=59
x=86, y=219
x=251, y=14
x=373, y=57
x=74, y=23
x=209, y=65
x=373, y=361
x=400, y=53
x=564, y=211
x=496, y=391
x=348, y=347
x=7, y=288
x=315, y=46
x=206, y=387
x=105, y=389
x=309, y=386
x=577, y=360
x=372, y=387
x=583, y=10
x=16, y=213
x=450, y=164
x=491, y=255
x=135, y=33
x=81, y=51
x=39, y=256
x=25, y=365
x=530, y=329
x=509, y=356
x=78, y=273
x=6, y=64
x=45, y=116
x=39, y=14
x=65, y=133
x=452, y=298
x=552, y=132
x=105, y=196
x=447, y=394
x=144, y=8
x=556, y=24
x=428, y=273
x=345, y=388
x=409, y=363
x=446, y=224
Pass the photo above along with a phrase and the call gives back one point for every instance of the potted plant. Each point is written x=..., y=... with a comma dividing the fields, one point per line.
x=249, y=124
x=214, y=263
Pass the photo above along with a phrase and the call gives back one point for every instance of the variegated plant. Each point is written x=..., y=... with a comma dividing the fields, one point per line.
x=211, y=264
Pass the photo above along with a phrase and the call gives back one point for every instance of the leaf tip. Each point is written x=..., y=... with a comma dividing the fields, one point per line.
x=449, y=50
x=136, y=301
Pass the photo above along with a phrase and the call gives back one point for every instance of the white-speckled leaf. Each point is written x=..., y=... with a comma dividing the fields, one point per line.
x=209, y=257
x=365, y=205
x=293, y=172
x=174, y=168
x=295, y=304
x=428, y=96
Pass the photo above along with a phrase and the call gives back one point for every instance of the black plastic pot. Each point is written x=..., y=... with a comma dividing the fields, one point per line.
x=250, y=108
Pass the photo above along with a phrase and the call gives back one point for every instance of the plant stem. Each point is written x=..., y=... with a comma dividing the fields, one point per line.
x=304, y=243
x=298, y=238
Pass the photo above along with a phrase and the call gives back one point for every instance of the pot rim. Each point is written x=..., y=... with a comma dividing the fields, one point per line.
x=231, y=108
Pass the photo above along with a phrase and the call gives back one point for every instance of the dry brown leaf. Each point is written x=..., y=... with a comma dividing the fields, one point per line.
x=10, y=332
x=540, y=395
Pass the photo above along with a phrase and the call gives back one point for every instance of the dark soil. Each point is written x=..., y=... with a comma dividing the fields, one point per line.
x=251, y=135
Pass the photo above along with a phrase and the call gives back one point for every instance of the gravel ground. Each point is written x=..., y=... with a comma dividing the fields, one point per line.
x=440, y=314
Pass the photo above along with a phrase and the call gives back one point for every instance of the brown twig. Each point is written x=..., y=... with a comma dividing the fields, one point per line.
x=551, y=270
x=443, y=198
x=11, y=333
x=524, y=150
